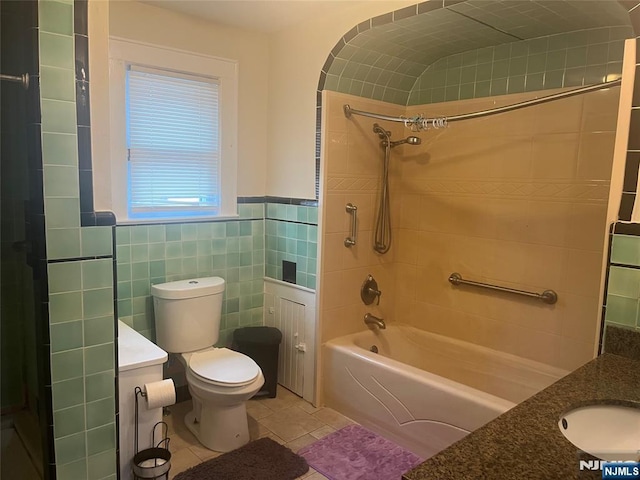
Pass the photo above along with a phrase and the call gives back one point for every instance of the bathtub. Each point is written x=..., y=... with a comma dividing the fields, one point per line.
x=422, y=390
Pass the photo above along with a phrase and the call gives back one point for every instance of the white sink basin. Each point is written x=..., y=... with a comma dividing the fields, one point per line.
x=608, y=432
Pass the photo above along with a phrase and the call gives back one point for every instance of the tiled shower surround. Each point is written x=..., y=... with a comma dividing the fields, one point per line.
x=517, y=199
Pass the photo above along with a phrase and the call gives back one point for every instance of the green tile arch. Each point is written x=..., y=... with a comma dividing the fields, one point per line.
x=352, y=65
x=548, y=63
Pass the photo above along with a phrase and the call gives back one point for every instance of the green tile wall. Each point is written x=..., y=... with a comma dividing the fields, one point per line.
x=80, y=273
x=59, y=151
x=233, y=250
x=623, y=289
x=292, y=234
x=564, y=60
x=81, y=281
x=82, y=364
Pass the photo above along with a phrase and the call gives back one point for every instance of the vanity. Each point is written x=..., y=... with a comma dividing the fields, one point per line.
x=526, y=442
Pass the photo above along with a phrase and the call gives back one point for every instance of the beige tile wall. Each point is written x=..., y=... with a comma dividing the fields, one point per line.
x=351, y=173
x=517, y=199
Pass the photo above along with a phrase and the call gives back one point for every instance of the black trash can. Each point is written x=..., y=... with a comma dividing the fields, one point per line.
x=262, y=344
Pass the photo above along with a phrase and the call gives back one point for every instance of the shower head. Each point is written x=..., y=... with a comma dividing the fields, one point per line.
x=412, y=140
x=385, y=136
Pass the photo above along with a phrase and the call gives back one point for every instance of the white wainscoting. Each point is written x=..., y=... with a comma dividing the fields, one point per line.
x=292, y=309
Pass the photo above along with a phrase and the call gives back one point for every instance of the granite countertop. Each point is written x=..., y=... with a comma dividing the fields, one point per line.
x=525, y=442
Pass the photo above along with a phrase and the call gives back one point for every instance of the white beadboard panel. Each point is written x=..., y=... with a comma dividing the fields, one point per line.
x=292, y=309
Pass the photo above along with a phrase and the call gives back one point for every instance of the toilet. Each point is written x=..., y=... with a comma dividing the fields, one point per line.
x=187, y=318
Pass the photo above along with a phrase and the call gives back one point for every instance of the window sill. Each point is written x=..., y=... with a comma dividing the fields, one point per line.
x=162, y=221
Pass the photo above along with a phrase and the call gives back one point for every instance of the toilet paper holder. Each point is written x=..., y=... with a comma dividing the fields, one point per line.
x=155, y=462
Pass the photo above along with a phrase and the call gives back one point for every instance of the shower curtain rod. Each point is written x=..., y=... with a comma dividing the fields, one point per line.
x=23, y=79
x=420, y=122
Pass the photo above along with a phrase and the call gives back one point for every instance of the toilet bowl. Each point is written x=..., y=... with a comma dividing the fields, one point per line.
x=220, y=382
x=187, y=317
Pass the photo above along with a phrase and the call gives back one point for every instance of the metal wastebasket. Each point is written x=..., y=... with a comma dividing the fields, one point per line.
x=262, y=344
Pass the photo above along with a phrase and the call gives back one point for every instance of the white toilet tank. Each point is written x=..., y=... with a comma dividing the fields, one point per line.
x=187, y=313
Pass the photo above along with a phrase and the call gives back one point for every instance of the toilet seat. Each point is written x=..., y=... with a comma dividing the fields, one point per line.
x=223, y=367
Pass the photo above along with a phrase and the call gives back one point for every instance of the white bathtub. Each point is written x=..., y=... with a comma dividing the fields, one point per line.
x=425, y=391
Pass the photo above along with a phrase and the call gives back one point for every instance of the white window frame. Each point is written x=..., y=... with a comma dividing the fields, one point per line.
x=123, y=53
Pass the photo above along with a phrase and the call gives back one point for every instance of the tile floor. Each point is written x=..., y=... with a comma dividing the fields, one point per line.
x=287, y=419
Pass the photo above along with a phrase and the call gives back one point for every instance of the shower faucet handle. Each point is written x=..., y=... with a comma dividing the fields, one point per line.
x=369, y=291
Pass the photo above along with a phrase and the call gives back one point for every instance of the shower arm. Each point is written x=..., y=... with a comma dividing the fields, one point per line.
x=416, y=121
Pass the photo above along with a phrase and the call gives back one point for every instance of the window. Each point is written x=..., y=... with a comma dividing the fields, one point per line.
x=173, y=129
x=172, y=144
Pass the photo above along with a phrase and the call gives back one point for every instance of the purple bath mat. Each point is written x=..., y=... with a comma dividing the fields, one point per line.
x=355, y=453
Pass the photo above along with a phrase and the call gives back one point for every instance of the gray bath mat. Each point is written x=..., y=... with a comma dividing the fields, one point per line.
x=262, y=459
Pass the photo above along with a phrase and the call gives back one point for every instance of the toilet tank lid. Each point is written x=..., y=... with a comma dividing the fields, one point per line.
x=136, y=351
x=192, y=288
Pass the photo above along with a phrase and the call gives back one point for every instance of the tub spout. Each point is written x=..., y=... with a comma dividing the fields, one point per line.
x=373, y=320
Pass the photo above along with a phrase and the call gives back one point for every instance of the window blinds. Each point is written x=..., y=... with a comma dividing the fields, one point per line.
x=173, y=144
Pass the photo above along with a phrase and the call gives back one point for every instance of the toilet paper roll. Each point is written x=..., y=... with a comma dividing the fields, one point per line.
x=160, y=394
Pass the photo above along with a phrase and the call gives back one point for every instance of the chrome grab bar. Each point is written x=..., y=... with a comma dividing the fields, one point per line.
x=548, y=296
x=353, y=210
